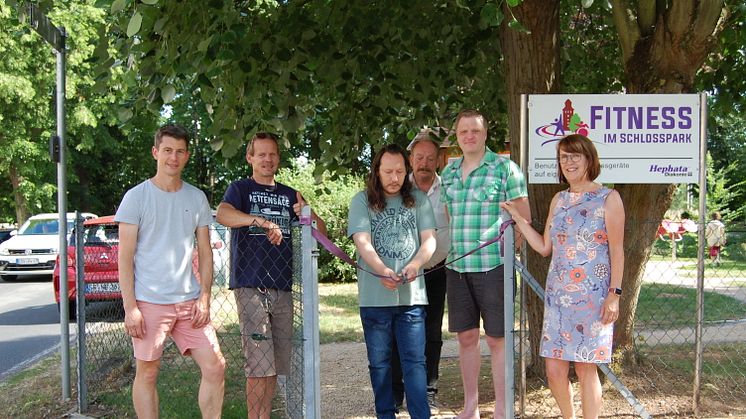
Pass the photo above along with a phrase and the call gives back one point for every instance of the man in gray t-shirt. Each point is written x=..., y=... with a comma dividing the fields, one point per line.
x=158, y=221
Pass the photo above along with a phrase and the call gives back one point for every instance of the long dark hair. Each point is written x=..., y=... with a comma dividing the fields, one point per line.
x=374, y=189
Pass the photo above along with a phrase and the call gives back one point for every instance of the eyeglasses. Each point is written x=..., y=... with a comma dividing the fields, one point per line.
x=564, y=158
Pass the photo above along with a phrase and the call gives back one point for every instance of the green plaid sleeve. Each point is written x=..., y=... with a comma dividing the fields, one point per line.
x=515, y=185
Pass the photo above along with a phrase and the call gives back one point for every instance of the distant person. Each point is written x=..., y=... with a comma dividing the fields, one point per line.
x=584, y=233
x=158, y=222
x=472, y=189
x=259, y=211
x=423, y=157
x=715, y=236
x=393, y=228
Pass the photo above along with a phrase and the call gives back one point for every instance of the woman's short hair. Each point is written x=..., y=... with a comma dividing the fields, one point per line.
x=579, y=144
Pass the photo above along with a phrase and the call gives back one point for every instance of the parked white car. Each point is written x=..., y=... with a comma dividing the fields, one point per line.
x=219, y=241
x=33, y=250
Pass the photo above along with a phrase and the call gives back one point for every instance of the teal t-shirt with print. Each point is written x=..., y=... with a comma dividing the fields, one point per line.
x=395, y=234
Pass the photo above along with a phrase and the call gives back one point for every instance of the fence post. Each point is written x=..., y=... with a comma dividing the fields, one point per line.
x=699, y=346
x=508, y=250
x=522, y=325
x=80, y=311
x=311, y=350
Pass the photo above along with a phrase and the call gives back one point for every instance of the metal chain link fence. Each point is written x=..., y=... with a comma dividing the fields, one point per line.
x=664, y=333
x=109, y=363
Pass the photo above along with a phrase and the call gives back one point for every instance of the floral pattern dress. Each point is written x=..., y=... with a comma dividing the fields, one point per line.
x=578, y=280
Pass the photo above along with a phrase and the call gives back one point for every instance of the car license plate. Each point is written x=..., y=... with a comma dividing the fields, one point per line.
x=27, y=261
x=102, y=288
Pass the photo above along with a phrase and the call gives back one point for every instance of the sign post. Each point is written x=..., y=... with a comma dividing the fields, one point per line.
x=55, y=37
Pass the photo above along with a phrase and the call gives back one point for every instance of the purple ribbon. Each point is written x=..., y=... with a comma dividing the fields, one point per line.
x=336, y=251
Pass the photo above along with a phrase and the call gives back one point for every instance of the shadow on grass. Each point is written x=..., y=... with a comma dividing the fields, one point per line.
x=670, y=306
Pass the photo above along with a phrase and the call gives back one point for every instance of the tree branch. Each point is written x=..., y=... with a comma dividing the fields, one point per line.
x=680, y=16
x=646, y=16
x=626, y=27
x=709, y=14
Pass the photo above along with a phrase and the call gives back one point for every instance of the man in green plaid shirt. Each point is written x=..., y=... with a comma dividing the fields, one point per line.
x=473, y=187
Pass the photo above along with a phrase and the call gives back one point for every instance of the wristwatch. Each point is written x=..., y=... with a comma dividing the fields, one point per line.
x=617, y=291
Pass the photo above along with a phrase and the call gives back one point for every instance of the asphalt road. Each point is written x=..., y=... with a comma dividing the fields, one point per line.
x=29, y=323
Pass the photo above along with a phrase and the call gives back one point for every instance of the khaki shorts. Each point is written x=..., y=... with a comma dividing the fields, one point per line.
x=175, y=320
x=266, y=319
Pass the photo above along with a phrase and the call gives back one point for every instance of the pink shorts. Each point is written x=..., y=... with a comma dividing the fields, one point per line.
x=162, y=320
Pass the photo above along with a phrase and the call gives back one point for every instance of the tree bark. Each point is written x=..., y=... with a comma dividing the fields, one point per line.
x=663, y=46
x=662, y=54
x=532, y=65
x=20, y=200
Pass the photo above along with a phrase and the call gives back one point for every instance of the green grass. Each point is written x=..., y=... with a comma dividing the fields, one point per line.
x=339, y=319
x=665, y=305
x=339, y=322
x=730, y=266
x=720, y=361
x=178, y=385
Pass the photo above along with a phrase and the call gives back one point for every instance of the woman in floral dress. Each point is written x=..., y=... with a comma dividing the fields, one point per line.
x=584, y=234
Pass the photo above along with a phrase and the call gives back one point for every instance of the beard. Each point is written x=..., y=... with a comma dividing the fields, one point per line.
x=392, y=188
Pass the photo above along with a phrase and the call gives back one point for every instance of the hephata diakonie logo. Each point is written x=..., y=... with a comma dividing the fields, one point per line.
x=567, y=123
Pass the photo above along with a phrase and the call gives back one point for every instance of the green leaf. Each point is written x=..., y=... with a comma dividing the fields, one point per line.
x=134, y=26
x=159, y=24
x=124, y=114
x=168, y=93
x=149, y=2
x=117, y=6
x=491, y=15
x=516, y=25
x=204, y=44
x=308, y=34
x=514, y=3
x=586, y=3
x=216, y=143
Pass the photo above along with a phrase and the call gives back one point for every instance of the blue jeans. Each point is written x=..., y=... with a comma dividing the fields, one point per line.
x=407, y=323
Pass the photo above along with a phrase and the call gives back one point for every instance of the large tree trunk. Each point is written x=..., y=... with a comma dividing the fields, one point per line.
x=663, y=45
x=18, y=197
x=532, y=65
x=663, y=48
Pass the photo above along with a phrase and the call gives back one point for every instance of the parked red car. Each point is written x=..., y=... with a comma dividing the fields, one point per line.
x=100, y=254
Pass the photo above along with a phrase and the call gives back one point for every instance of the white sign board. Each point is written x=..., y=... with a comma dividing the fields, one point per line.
x=639, y=138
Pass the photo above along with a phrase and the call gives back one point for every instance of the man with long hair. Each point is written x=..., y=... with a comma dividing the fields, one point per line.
x=393, y=227
x=424, y=155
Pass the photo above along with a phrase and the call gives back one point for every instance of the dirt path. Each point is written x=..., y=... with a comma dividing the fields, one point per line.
x=346, y=390
x=345, y=383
